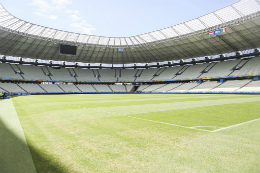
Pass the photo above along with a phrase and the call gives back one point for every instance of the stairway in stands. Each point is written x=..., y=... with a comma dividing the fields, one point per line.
x=158, y=73
x=96, y=73
x=45, y=71
x=134, y=89
x=138, y=73
x=216, y=86
x=49, y=72
x=145, y=87
x=15, y=69
x=22, y=88
x=76, y=75
x=72, y=72
x=60, y=88
x=195, y=86
x=21, y=73
x=42, y=88
x=159, y=87
x=4, y=89
x=78, y=88
x=94, y=88
x=210, y=66
x=245, y=84
x=183, y=69
x=242, y=63
x=176, y=87
x=110, y=88
x=233, y=68
x=117, y=74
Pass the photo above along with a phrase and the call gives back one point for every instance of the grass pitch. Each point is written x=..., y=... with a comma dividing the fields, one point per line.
x=142, y=132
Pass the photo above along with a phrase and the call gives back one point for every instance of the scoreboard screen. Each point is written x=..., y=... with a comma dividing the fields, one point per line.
x=68, y=49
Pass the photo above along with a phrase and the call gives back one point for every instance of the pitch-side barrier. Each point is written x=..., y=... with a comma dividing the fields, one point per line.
x=205, y=92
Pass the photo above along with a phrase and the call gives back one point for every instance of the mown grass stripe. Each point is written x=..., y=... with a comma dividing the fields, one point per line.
x=136, y=109
x=177, y=125
x=235, y=125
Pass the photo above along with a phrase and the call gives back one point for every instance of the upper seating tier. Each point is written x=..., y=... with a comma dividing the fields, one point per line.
x=218, y=69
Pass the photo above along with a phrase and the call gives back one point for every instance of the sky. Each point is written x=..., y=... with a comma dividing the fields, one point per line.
x=110, y=18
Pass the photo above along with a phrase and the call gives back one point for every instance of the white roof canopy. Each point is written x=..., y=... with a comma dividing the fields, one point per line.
x=185, y=40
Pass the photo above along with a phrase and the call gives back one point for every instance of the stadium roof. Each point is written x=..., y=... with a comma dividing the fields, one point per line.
x=186, y=40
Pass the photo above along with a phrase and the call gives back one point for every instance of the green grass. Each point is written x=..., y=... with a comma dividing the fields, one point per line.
x=141, y=132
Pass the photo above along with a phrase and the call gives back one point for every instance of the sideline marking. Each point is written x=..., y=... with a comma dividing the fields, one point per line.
x=194, y=127
x=224, y=128
x=177, y=125
x=154, y=121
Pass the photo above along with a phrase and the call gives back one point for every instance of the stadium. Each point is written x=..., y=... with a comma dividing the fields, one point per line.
x=180, y=99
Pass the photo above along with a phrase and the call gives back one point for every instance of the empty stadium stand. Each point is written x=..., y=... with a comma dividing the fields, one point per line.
x=152, y=87
x=12, y=88
x=251, y=66
x=206, y=86
x=69, y=88
x=142, y=87
x=147, y=74
x=118, y=88
x=128, y=74
x=32, y=88
x=33, y=72
x=51, y=88
x=86, y=88
x=107, y=75
x=246, y=85
x=128, y=88
x=185, y=87
x=168, y=87
x=2, y=90
x=217, y=69
x=61, y=74
x=231, y=85
x=85, y=75
x=223, y=68
x=232, y=68
x=102, y=88
x=168, y=73
x=193, y=71
x=6, y=71
x=252, y=86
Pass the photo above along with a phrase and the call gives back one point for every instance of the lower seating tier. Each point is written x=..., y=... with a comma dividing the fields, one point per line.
x=246, y=85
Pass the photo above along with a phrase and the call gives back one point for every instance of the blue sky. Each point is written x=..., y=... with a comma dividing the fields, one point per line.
x=112, y=18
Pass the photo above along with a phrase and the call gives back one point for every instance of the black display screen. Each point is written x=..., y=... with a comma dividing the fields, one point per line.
x=67, y=49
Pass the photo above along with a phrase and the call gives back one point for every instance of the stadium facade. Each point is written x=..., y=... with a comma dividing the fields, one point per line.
x=221, y=47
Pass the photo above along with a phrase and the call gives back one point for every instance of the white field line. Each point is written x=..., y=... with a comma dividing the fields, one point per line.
x=224, y=128
x=177, y=125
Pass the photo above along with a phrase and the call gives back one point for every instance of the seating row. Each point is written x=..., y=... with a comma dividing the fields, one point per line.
x=61, y=88
x=230, y=85
x=215, y=69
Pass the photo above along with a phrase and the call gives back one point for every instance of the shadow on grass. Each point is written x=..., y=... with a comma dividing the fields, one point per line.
x=15, y=157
